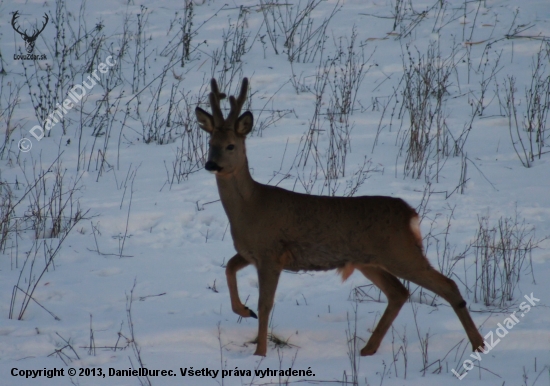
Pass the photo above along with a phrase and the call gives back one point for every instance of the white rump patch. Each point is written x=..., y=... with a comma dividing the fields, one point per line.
x=415, y=228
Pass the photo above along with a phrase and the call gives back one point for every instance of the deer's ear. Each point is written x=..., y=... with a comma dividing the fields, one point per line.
x=206, y=121
x=244, y=123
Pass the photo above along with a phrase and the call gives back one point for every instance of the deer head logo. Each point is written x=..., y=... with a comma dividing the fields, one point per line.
x=29, y=39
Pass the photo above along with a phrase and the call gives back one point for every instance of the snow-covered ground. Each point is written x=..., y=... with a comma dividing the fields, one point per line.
x=140, y=276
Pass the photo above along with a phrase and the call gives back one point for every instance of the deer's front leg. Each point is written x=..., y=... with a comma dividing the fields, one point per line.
x=268, y=278
x=235, y=264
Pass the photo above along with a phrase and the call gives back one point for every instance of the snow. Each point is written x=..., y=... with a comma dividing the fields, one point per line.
x=165, y=245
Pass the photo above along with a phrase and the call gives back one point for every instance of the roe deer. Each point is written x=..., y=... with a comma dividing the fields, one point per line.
x=276, y=229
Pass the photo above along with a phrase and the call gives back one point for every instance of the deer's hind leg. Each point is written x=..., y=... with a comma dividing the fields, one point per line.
x=397, y=295
x=409, y=262
x=235, y=264
x=436, y=282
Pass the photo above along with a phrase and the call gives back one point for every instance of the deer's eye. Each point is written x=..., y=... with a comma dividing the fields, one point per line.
x=230, y=147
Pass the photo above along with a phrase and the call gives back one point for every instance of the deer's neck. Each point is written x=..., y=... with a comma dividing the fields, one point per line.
x=236, y=191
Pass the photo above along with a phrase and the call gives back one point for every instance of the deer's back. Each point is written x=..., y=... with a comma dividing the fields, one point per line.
x=320, y=232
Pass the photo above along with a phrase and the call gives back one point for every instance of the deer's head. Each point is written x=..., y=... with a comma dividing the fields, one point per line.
x=29, y=39
x=227, y=152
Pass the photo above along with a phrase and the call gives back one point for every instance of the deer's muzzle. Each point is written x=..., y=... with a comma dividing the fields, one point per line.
x=211, y=166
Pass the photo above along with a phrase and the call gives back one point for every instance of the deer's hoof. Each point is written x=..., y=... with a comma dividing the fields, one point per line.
x=260, y=353
x=479, y=348
x=367, y=351
x=252, y=314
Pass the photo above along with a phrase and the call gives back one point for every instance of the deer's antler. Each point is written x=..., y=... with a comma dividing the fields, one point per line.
x=215, y=97
x=237, y=104
x=24, y=34
x=35, y=35
x=29, y=40
x=13, y=21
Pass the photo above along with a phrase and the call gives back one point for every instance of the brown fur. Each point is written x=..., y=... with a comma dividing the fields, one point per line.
x=346, y=271
x=276, y=229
